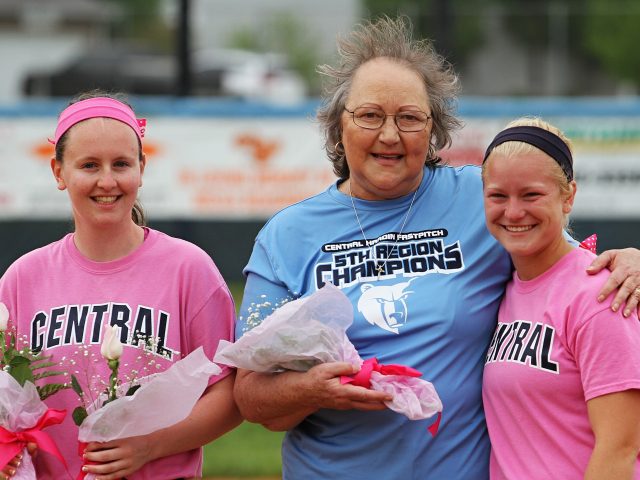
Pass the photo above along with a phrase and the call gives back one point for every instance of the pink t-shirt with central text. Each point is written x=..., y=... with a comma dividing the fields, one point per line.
x=167, y=289
x=555, y=348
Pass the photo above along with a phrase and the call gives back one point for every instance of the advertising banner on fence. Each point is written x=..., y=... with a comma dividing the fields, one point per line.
x=249, y=168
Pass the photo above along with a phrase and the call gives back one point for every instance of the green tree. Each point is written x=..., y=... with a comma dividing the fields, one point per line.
x=283, y=33
x=612, y=35
x=141, y=23
x=453, y=25
x=600, y=33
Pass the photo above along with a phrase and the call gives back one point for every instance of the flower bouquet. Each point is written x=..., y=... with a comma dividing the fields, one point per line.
x=123, y=411
x=312, y=330
x=23, y=414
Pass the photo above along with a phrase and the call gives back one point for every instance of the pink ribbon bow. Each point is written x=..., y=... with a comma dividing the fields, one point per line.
x=363, y=379
x=13, y=442
x=589, y=243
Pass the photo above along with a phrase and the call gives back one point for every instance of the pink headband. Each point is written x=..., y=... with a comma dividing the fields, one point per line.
x=98, y=107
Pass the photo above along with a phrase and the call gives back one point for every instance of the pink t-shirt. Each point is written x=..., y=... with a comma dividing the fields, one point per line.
x=167, y=288
x=554, y=349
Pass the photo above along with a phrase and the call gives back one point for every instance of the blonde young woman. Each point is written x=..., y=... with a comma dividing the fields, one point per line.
x=562, y=375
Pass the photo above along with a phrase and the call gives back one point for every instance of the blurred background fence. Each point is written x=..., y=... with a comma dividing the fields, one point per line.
x=217, y=169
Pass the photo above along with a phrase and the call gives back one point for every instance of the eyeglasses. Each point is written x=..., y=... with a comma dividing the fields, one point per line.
x=373, y=118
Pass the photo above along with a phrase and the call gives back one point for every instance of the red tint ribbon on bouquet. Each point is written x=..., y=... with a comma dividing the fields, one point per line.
x=589, y=243
x=14, y=442
x=363, y=379
x=81, y=448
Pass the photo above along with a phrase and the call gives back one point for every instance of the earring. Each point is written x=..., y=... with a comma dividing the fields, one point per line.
x=431, y=152
x=335, y=148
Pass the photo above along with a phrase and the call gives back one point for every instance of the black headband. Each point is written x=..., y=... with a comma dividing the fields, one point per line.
x=540, y=138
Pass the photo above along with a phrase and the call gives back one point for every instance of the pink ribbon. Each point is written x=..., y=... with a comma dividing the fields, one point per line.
x=363, y=379
x=12, y=443
x=81, y=448
x=589, y=243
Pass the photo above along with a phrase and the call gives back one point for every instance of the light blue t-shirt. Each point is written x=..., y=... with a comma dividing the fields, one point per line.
x=434, y=309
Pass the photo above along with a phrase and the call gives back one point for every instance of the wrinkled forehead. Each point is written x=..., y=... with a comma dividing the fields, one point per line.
x=387, y=82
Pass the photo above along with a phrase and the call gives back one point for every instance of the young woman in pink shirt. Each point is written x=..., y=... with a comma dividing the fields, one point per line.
x=561, y=385
x=114, y=270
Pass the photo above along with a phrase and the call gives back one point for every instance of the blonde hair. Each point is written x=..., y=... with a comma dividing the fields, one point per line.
x=512, y=148
x=521, y=148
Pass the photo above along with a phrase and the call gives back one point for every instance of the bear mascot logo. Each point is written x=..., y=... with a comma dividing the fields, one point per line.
x=384, y=305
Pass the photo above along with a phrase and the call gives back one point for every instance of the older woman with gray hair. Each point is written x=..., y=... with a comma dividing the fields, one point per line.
x=404, y=237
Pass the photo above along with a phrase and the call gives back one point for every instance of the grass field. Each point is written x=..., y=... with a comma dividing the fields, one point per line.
x=249, y=451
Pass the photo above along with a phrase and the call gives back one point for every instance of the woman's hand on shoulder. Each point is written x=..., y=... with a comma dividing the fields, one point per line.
x=625, y=277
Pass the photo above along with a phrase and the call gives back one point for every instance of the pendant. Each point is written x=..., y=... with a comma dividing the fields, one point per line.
x=380, y=269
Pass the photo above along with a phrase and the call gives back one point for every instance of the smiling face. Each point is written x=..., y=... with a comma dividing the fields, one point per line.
x=102, y=172
x=525, y=209
x=385, y=163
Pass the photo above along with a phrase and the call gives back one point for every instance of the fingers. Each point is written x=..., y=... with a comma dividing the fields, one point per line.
x=109, y=468
x=15, y=461
x=116, y=459
x=10, y=469
x=369, y=406
x=7, y=473
x=614, y=282
x=102, y=452
x=628, y=292
x=347, y=397
x=335, y=369
x=633, y=303
x=365, y=395
x=601, y=262
x=625, y=277
x=32, y=449
x=108, y=471
x=325, y=390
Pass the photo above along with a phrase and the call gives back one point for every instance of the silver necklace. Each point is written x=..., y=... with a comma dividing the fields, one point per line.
x=380, y=267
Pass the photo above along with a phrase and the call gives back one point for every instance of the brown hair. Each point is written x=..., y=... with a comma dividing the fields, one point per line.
x=137, y=212
x=389, y=38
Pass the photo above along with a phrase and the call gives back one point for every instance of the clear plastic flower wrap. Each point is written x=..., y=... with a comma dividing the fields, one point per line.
x=312, y=330
x=23, y=416
x=177, y=389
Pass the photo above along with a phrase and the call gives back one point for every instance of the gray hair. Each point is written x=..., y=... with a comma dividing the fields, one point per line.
x=389, y=38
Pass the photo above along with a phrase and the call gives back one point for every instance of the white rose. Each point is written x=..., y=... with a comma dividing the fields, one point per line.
x=4, y=317
x=111, y=347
